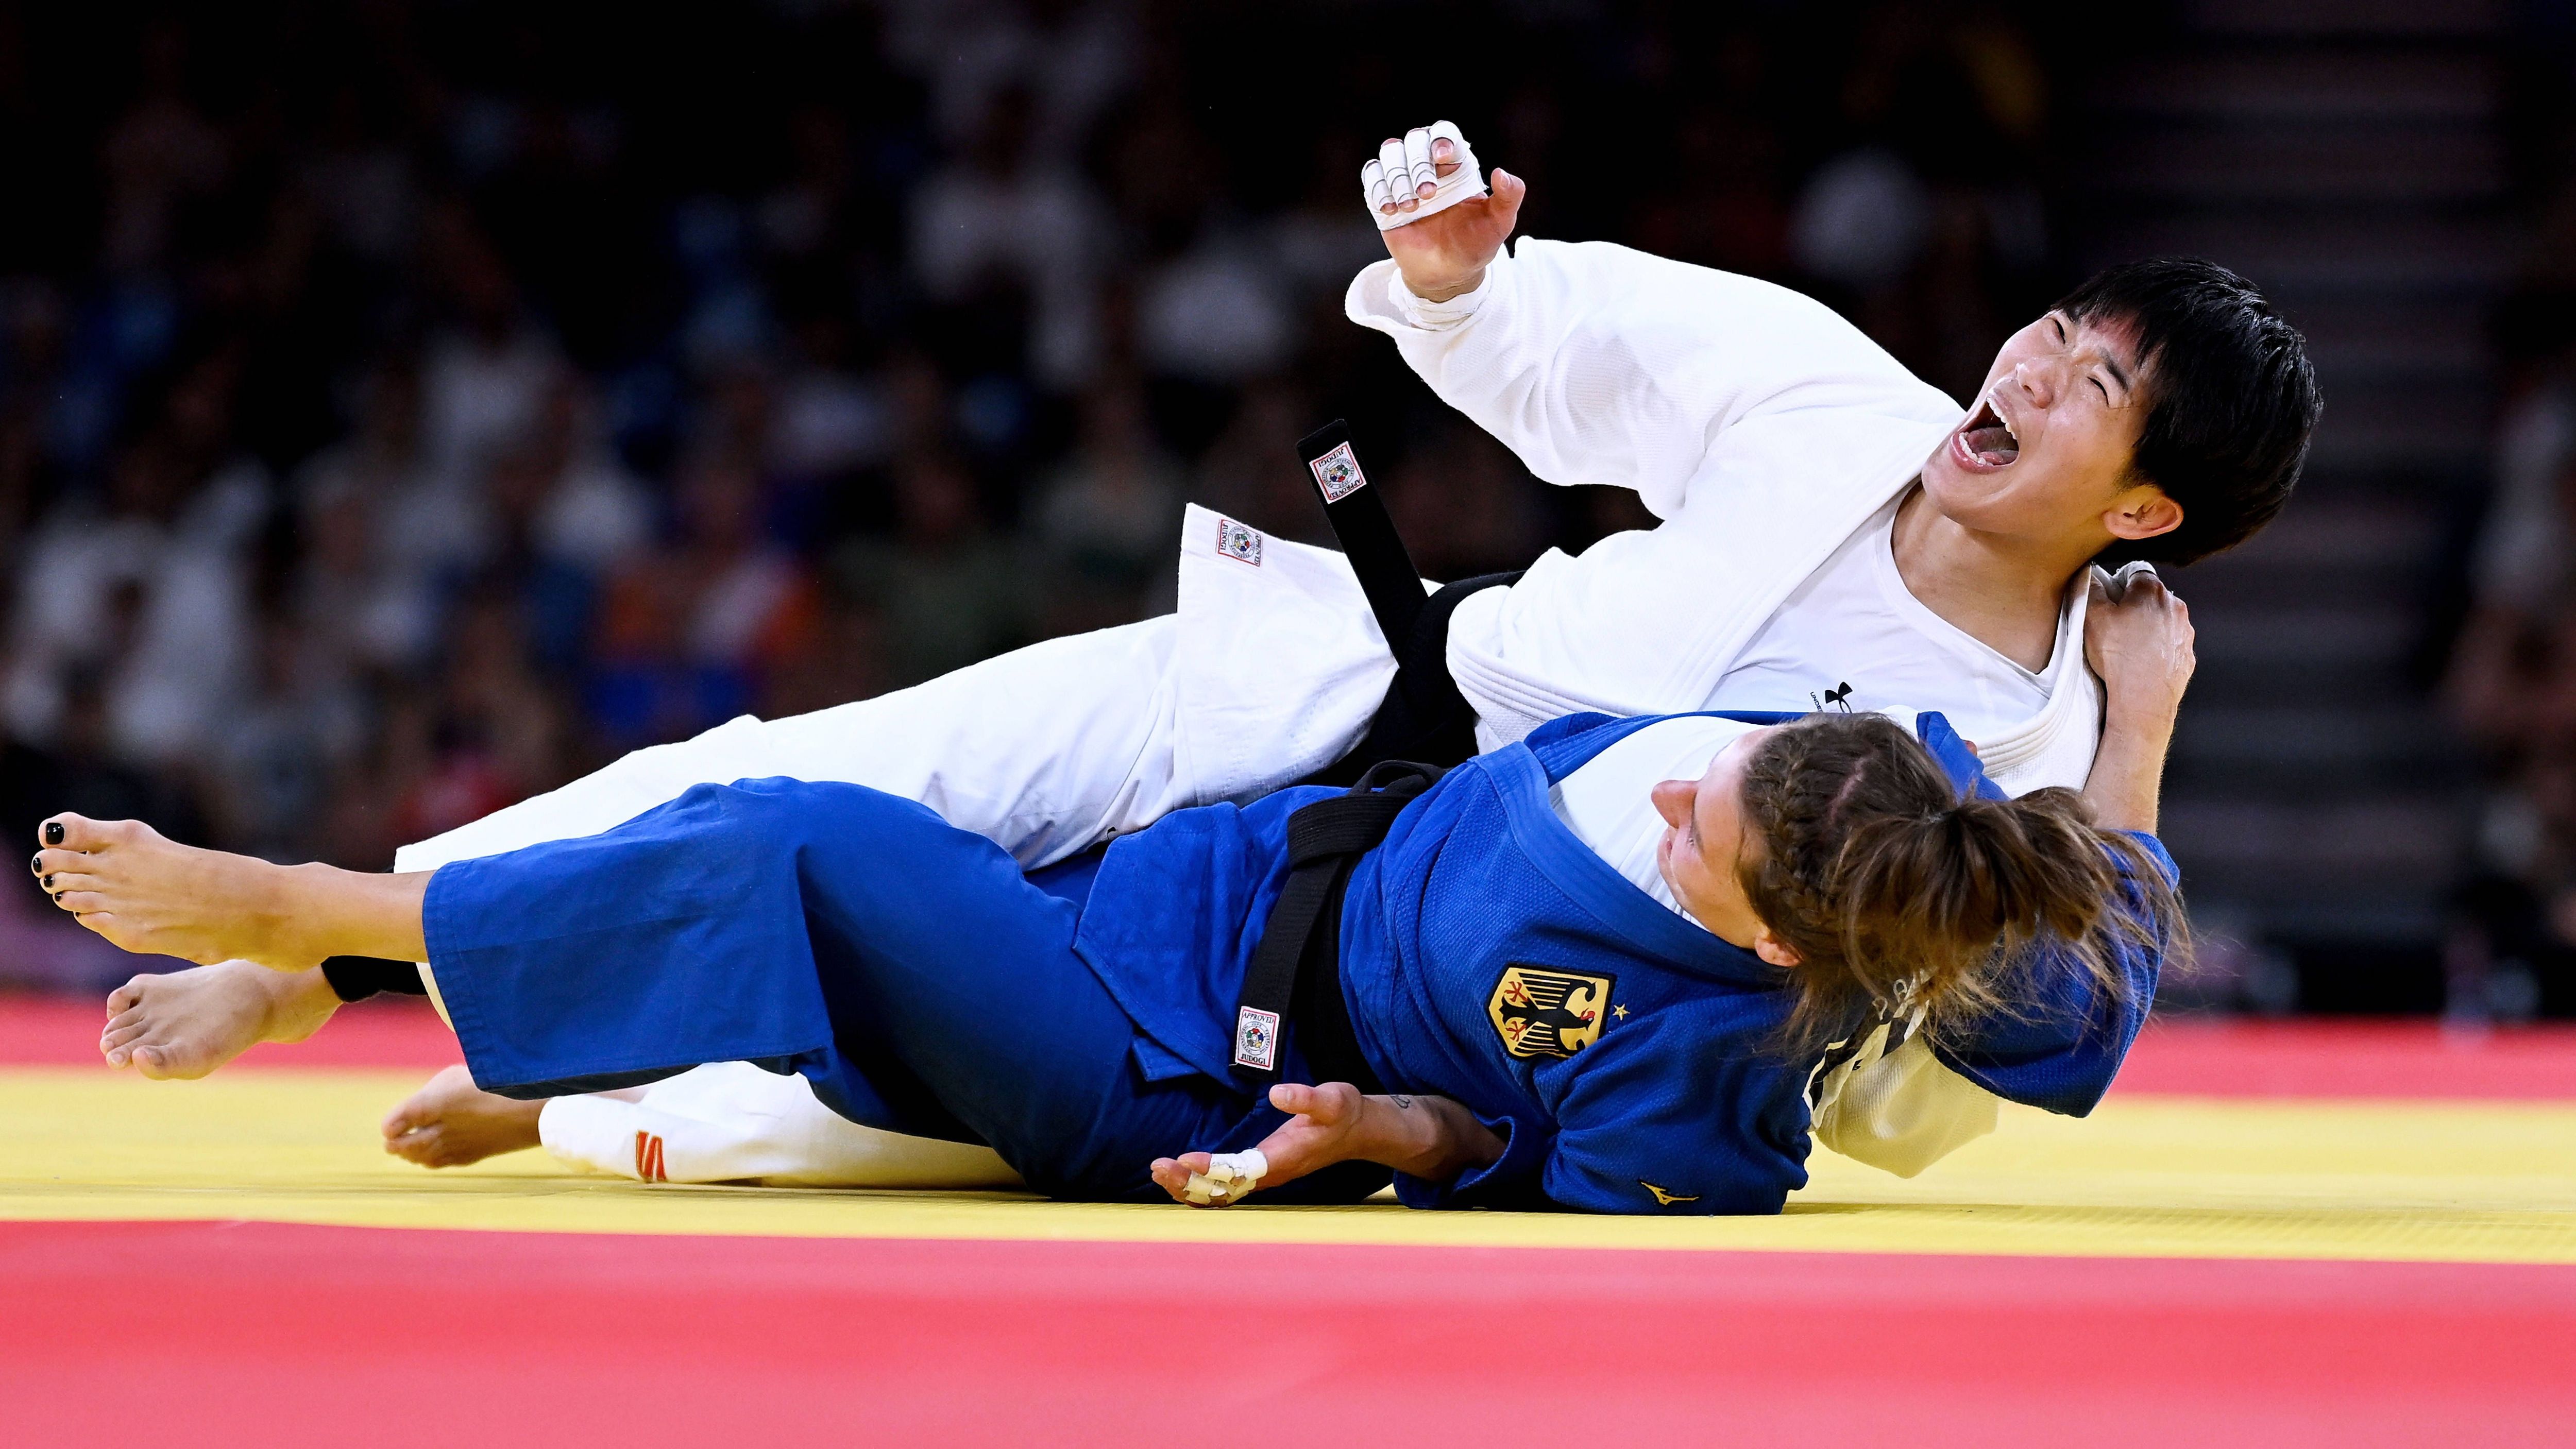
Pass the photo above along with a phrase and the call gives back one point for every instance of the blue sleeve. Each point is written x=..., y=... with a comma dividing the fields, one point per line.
x=1510, y=1182
x=2062, y=1052
x=1674, y=1115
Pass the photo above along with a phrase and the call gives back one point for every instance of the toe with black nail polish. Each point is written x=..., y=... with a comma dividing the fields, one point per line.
x=36, y=862
x=53, y=832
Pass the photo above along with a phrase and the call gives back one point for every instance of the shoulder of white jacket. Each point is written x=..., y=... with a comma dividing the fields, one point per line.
x=1919, y=398
x=1619, y=255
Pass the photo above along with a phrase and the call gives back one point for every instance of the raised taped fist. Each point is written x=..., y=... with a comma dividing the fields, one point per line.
x=1421, y=173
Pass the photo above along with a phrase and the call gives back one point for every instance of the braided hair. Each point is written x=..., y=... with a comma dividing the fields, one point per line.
x=1894, y=891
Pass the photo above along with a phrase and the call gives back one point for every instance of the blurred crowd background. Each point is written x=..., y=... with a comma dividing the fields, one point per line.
x=409, y=405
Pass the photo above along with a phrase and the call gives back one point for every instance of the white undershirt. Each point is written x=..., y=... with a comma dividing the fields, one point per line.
x=1853, y=621
x=1607, y=801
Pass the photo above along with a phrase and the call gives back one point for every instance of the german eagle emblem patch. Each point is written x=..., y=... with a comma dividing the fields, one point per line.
x=1544, y=1013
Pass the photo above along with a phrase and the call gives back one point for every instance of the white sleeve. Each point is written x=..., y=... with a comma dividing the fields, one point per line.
x=1900, y=1111
x=1600, y=364
x=1046, y=751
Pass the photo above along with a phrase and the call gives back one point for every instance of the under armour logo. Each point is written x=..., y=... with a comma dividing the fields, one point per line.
x=1840, y=694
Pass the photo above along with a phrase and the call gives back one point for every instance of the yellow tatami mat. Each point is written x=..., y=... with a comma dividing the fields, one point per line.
x=2460, y=1181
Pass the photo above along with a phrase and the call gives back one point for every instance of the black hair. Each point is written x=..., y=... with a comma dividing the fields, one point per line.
x=2231, y=399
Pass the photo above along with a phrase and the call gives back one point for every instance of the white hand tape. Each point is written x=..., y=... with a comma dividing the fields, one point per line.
x=1417, y=159
x=1402, y=165
x=1230, y=1175
x=1394, y=175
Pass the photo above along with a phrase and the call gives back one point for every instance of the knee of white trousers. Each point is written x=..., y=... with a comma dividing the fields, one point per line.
x=605, y=798
x=1044, y=751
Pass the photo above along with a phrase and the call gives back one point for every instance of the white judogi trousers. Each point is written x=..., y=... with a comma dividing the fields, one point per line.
x=733, y=1122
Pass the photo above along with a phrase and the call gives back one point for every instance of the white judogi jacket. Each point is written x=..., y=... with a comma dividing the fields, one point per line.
x=1761, y=427
x=1758, y=425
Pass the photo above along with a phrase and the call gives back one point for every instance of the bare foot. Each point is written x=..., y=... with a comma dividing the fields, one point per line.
x=450, y=1122
x=150, y=894
x=146, y=893
x=186, y=1024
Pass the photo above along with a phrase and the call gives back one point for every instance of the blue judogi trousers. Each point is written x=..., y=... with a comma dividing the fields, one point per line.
x=906, y=967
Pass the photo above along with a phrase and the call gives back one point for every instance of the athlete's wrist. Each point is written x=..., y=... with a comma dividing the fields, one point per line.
x=2143, y=711
x=2149, y=723
x=1436, y=289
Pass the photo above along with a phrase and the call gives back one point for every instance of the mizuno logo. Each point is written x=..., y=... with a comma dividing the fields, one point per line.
x=1663, y=1198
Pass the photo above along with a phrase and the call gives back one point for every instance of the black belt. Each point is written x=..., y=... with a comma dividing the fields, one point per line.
x=1295, y=980
x=1423, y=716
x=1367, y=534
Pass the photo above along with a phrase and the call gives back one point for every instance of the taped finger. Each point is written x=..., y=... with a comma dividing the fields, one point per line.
x=1399, y=172
x=1417, y=161
x=1373, y=186
x=1230, y=1175
x=1448, y=148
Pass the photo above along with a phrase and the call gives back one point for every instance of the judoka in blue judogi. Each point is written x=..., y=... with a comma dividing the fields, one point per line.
x=1081, y=1020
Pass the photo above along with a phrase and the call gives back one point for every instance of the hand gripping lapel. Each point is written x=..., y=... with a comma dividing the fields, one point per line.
x=1296, y=972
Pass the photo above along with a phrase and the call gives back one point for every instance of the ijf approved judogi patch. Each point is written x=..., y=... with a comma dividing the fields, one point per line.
x=1238, y=542
x=1256, y=1039
x=1338, y=474
x=1545, y=1013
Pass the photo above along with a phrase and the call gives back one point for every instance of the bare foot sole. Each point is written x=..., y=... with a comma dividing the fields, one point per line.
x=188, y=1023
x=150, y=894
x=450, y=1122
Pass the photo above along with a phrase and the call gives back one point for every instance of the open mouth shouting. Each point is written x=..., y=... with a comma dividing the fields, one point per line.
x=1986, y=442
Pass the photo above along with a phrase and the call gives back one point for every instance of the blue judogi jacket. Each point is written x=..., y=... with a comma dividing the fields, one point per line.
x=1489, y=955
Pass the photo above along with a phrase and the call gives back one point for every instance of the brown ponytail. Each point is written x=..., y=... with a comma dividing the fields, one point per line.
x=1862, y=858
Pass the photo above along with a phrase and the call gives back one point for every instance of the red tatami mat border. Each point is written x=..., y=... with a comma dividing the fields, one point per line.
x=274, y=1335
x=2221, y=1057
